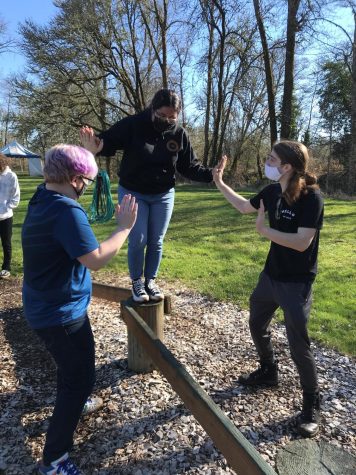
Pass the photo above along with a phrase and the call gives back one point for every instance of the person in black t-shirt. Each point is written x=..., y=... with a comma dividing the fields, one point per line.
x=154, y=147
x=295, y=211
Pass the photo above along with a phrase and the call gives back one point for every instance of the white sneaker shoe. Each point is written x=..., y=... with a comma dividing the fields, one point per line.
x=153, y=291
x=139, y=293
x=92, y=405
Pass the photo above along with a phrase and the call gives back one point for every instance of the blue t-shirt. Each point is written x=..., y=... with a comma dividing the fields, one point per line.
x=57, y=287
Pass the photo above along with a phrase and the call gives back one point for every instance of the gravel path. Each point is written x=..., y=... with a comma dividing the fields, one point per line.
x=143, y=427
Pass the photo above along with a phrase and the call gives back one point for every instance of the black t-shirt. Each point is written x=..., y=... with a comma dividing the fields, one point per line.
x=150, y=158
x=283, y=263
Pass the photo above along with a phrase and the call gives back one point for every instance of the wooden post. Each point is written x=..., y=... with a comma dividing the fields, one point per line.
x=152, y=314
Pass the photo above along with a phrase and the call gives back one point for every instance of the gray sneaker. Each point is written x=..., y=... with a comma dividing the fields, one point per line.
x=153, y=291
x=138, y=290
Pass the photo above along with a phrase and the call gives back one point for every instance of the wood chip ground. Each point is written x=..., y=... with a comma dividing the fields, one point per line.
x=143, y=427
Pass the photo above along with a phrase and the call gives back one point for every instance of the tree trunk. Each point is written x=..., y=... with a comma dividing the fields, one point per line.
x=102, y=108
x=292, y=28
x=329, y=158
x=164, y=28
x=220, y=87
x=352, y=156
x=208, y=96
x=161, y=19
x=268, y=73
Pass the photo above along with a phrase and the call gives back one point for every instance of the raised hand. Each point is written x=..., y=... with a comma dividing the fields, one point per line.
x=89, y=140
x=218, y=170
x=126, y=213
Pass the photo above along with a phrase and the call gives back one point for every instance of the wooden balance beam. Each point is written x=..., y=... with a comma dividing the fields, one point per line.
x=146, y=351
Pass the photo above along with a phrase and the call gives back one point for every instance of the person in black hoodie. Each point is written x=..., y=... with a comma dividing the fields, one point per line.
x=154, y=146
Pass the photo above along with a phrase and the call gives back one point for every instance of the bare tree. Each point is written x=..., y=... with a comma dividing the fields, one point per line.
x=155, y=18
x=292, y=29
x=351, y=185
x=271, y=95
x=6, y=43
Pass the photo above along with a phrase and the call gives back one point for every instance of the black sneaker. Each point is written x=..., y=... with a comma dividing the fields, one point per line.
x=139, y=293
x=308, y=420
x=153, y=291
x=266, y=374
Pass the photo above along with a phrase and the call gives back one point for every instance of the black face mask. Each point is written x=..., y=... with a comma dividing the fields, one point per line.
x=162, y=125
x=80, y=192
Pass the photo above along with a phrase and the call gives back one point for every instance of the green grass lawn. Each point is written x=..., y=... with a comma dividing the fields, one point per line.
x=212, y=248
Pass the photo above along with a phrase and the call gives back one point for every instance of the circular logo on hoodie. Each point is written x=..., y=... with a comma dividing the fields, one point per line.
x=172, y=146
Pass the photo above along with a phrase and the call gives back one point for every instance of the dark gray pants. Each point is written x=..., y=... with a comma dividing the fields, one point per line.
x=295, y=299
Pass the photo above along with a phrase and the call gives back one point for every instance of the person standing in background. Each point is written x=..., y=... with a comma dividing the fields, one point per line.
x=9, y=199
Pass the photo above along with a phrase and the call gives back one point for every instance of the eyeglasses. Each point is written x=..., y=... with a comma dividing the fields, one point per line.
x=170, y=120
x=277, y=213
x=90, y=180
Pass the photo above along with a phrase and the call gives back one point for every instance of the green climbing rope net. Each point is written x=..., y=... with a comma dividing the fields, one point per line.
x=102, y=206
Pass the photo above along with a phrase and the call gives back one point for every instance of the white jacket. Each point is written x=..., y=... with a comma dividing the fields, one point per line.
x=9, y=193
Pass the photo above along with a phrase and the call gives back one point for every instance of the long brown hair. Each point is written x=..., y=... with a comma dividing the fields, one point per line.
x=3, y=162
x=297, y=155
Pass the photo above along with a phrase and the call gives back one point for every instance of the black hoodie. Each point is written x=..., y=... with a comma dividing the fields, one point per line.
x=150, y=158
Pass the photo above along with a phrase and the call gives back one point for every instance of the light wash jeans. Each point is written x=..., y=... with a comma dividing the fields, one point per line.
x=153, y=217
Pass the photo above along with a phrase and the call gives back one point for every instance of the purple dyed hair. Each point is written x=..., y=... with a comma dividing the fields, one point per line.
x=63, y=162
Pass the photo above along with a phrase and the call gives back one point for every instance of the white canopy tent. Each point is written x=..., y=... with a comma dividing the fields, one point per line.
x=16, y=150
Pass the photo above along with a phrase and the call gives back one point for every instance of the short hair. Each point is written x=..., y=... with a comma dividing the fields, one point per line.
x=166, y=98
x=4, y=161
x=63, y=162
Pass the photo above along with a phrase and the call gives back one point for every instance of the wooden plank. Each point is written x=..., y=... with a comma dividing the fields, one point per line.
x=116, y=294
x=110, y=292
x=239, y=453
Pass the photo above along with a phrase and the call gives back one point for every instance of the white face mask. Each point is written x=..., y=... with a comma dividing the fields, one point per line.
x=272, y=173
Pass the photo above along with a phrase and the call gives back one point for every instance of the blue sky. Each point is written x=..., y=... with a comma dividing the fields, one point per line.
x=41, y=11
x=12, y=14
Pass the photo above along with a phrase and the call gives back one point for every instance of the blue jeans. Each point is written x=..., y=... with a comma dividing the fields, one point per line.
x=72, y=348
x=153, y=217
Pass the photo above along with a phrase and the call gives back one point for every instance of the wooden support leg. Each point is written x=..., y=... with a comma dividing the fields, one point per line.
x=152, y=314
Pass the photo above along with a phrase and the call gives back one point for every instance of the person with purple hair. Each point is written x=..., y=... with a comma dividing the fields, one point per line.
x=59, y=248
